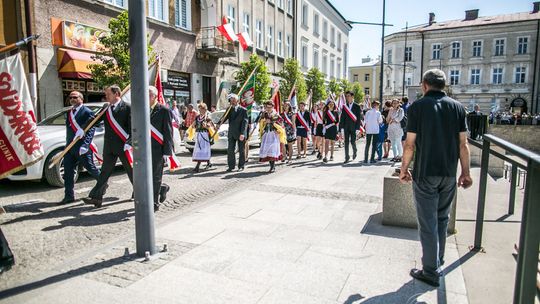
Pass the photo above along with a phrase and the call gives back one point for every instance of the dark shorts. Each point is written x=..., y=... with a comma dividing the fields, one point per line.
x=301, y=132
x=331, y=133
x=319, y=130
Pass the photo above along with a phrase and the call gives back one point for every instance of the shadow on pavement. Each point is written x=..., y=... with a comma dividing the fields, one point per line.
x=374, y=226
x=66, y=276
x=406, y=294
x=246, y=174
x=94, y=220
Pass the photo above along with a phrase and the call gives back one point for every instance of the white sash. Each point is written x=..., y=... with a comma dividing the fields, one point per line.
x=302, y=120
x=116, y=126
x=73, y=122
x=287, y=119
x=349, y=112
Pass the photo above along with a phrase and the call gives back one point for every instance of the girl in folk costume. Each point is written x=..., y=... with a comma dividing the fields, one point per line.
x=289, y=120
x=272, y=136
x=330, y=130
x=203, y=129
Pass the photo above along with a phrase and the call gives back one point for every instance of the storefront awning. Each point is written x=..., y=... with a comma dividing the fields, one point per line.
x=74, y=64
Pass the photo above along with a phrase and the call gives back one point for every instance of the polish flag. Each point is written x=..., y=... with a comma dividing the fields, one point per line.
x=245, y=40
x=227, y=30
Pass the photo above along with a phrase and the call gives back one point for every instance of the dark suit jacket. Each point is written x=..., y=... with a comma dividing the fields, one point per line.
x=346, y=122
x=112, y=142
x=306, y=118
x=83, y=117
x=161, y=119
x=238, y=122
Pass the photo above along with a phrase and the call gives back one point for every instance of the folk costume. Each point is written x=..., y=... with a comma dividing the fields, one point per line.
x=203, y=130
x=272, y=136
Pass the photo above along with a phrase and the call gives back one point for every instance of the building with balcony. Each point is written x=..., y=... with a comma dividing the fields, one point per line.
x=322, y=38
x=368, y=75
x=490, y=61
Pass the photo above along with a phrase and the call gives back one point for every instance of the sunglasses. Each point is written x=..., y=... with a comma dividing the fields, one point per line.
x=73, y=97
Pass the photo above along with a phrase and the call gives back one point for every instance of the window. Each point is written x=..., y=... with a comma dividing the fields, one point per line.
x=289, y=6
x=499, y=47
x=475, y=76
x=325, y=64
x=355, y=78
x=338, y=70
x=280, y=4
x=436, y=51
x=289, y=46
x=316, y=24
x=520, y=74
x=120, y=3
x=522, y=45
x=339, y=41
x=304, y=14
x=409, y=81
x=456, y=49
x=332, y=71
x=332, y=36
x=304, y=55
x=258, y=34
x=315, y=57
x=497, y=75
x=325, y=30
x=280, y=44
x=366, y=91
x=182, y=12
x=246, y=23
x=231, y=15
x=157, y=10
x=366, y=77
x=271, y=39
x=408, y=53
x=389, y=56
x=454, y=77
x=477, y=48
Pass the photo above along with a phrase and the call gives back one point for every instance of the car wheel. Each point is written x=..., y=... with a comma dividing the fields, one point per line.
x=55, y=175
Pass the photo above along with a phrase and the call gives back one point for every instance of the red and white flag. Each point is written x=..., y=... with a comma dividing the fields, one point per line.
x=245, y=40
x=227, y=30
x=20, y=145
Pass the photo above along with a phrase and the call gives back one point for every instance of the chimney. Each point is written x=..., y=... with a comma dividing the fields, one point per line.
x=431, y=18
x=366, y=59
x=536, y=7
x=471, y=14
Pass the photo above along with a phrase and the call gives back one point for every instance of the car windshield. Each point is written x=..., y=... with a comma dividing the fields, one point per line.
x=59, y=118
x=216, y=116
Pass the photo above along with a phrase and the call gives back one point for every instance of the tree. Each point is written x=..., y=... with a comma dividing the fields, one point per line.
x=315, y=83
x=114, y=58
x=291, y=74
x=334, y=87
x=345, y=85
x=262, y=77
x=358, y=91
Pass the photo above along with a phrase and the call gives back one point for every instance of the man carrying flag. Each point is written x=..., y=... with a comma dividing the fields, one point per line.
x=117, y=143
x=82, y=152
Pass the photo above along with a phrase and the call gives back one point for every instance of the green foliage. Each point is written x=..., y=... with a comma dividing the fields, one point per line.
x=345, y=85
x=291, y=74
x=315, y=82
x=334, y=87
x=114, y=67
x=358, y=91
x=262, y=78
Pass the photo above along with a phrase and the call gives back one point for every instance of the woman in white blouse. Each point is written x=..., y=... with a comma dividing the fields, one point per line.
x=395, y=132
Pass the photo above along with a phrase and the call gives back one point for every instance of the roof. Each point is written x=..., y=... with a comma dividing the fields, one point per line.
x=486, y=20
x=366, y=64
x=336, y=10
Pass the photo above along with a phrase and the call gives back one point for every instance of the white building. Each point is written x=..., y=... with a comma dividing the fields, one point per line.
x=322, y=38
x=490, y=61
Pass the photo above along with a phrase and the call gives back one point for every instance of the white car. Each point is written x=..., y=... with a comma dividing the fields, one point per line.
x=52, y=132
x=222, y=143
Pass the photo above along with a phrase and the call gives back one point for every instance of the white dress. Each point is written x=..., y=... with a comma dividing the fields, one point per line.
x=394, y=129
x=270, y=145
x=202, y=150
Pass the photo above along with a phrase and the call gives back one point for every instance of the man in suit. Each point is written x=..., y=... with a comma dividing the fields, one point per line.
x=162, y=144
x=117, y=143
x=349, y=124
x=80, y=153
x=238, y=122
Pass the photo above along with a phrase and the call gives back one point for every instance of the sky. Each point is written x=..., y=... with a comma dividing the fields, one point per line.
x=365, y=40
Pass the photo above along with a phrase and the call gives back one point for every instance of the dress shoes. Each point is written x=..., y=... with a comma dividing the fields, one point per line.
x=422, y=276
x=163, y=193
x=65, y=201
x=93, y=201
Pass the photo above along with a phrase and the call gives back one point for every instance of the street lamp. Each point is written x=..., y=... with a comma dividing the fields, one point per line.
x=382, y=25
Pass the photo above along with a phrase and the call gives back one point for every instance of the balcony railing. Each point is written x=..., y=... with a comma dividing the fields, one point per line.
x=210, y=41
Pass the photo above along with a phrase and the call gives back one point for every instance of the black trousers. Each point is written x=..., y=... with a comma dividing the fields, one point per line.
x=350, y=137
x=157, y=176
x=231, y=157
x=107, y=168
x=371, y=139
x=72, y=159
x=6, y=256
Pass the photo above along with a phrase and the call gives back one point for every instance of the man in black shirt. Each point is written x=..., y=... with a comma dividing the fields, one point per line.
x=437, y=128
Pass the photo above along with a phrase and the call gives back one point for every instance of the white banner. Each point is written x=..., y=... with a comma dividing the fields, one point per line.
x=20, y=145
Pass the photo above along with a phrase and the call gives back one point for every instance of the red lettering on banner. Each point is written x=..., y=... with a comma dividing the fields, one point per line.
x=19, y=120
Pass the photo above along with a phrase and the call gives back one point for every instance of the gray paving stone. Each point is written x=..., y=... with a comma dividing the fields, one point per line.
x=208, y=259
x=278, y=295
x=259, y=269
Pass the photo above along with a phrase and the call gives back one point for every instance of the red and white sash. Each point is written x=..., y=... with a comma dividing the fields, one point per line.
x=331, y=116
x=319, y=113
x=349, y=112
x=313, y=118
x=302, y=121
x=287, y=120
x=174, y=163
x=117, y=128
x=76, y=127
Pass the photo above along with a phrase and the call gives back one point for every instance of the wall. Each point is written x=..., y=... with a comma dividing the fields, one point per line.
x=523, y=136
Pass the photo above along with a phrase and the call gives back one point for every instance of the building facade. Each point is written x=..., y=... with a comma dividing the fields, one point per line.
x=322, y=38
x=368, y=75
x=490, y=61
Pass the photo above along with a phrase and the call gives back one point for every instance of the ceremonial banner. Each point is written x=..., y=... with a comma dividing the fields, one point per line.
x=247, y=95
x=20, y=145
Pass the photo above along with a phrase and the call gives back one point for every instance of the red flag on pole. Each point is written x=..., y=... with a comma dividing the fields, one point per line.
x=227, y=30
x=245, y=40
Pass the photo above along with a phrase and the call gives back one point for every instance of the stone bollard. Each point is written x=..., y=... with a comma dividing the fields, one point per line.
x=399, y=208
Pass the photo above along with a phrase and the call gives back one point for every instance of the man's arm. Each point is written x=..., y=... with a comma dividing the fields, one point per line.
x=465, y=179
x=89, y=135
x=358, y=114
x=167, y=133
x=243, y=124
x=408, y=152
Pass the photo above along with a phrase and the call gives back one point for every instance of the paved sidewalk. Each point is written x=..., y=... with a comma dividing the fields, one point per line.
x=283, y=240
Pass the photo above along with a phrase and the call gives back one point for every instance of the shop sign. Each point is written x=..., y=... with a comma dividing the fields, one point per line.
x=77, y=35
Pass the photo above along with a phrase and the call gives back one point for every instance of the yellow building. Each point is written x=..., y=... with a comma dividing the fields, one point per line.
x=367, y=74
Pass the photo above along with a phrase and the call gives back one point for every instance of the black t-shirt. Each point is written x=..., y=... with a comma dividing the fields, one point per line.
x=437, y=121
